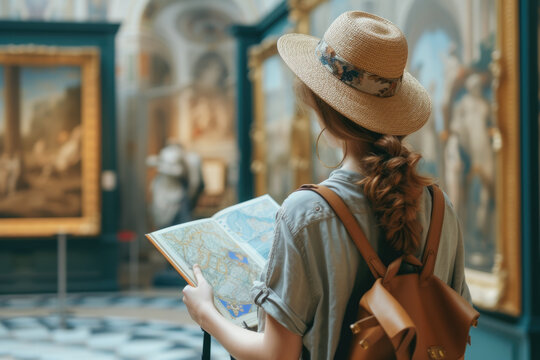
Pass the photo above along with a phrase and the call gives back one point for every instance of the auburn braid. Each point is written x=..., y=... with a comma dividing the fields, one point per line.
x=391, y=183
x=394, y=189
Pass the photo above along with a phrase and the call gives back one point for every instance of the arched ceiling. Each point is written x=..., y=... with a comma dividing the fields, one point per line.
x=141, y=11
x=247, y=10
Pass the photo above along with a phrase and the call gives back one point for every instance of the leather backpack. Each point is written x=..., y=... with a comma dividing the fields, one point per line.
x=414, y=316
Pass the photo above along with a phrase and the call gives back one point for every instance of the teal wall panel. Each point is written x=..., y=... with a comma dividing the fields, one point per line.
x=29, y=265
x=498, y=340
x=246, y=36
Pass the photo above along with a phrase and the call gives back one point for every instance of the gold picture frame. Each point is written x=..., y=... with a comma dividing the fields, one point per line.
x=300, y=11
x=293, y=165
x=299, y=162
x=499, y=289
x=57, y=121
x=257, y=55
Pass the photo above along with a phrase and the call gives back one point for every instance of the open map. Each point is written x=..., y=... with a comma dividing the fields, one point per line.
x=231, y=249
x=252, y=222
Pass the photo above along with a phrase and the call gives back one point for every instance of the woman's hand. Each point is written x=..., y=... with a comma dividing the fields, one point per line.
x=200, y=299
x=275, y=343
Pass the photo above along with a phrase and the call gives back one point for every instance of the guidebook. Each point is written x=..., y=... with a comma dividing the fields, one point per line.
x=231, y=248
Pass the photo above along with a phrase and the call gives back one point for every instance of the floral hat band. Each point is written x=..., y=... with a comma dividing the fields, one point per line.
x=359, y=79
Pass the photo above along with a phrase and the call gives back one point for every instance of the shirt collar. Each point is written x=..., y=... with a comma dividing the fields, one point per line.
x=346, y=175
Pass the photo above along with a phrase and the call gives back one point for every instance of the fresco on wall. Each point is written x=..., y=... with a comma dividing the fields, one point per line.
x=207, y=122
x=211, y=120
x=190, y=99
x=205, y=26
x=200, y=120
x=40, y=142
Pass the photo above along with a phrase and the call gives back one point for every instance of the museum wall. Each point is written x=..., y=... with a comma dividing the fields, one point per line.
x=200, y=84
x=166, y=78
x=479, y=61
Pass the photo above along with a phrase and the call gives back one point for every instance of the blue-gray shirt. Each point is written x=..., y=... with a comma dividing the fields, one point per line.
x=314, y=267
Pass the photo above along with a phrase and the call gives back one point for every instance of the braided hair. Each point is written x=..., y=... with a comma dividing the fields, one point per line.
x=391, y=182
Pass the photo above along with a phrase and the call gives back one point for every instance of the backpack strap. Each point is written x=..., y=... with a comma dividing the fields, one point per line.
x=353, y=228
x=434, y=232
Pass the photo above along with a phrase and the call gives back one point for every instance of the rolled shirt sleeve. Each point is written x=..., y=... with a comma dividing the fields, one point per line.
x=284, y=290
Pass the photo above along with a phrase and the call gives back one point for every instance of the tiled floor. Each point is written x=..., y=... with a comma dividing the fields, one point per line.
x=103, y=326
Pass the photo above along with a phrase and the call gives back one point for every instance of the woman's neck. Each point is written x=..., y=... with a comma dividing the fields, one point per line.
x=351, y=164
x=353, y=156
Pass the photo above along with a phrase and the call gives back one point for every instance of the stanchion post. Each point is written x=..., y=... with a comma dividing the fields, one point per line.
x=134, y=263
x=62, y=278
x=206, y=346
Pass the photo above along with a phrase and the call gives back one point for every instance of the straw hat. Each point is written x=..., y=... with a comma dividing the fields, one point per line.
x=358, y=68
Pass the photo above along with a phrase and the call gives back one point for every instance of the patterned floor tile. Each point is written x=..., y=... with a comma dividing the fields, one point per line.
x=175, y=354
x=143, y=348
x=100, y=338
x=107, y=340
x=70, y=336
x=31, y=334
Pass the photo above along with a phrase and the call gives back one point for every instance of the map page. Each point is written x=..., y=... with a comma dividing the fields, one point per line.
x=251, y=222
x=225, y=264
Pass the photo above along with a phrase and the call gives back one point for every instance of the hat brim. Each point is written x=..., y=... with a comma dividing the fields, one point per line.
x=401, y=114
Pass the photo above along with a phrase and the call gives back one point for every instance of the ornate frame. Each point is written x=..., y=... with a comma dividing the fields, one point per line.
x=88, y=59
x=300, y=12
x=257, y=55
x=501, y=290
x=299, y=162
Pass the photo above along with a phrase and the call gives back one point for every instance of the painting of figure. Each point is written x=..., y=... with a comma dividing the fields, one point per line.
x=451, y=44
x=206, y=126
x=457, y=144
x=206, y=110
x=40, y=142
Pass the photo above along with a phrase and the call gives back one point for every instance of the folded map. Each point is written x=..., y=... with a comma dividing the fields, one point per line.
x=231, y=248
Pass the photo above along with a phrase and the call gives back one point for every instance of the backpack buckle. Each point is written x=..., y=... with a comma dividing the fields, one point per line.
x=356, y=328
x=436, y=353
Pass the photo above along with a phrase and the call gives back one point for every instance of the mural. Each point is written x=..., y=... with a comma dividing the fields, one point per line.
x=207, y=127
x=188, y=97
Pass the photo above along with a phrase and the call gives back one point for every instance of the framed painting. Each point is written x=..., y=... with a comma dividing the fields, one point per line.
x=465, y=54
x=49, y=141
x=276, y=160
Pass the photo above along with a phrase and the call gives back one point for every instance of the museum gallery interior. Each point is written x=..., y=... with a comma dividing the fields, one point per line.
x=119, y=118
